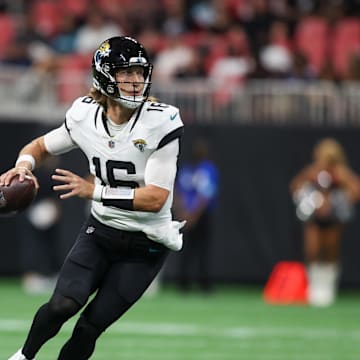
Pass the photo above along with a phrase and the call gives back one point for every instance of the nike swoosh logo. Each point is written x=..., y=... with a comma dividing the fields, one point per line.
x=172, y=117
x=152, y=250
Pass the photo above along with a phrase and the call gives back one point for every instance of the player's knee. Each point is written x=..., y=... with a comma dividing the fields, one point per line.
x=64, y=307
x=85, y=330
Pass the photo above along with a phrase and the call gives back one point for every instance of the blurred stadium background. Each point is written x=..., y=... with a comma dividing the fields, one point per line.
x=263, y=80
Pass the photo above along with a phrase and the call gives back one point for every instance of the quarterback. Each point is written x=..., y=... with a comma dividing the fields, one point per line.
x=132, y=146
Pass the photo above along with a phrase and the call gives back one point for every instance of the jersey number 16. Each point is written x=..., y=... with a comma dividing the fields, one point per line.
x=110, y=166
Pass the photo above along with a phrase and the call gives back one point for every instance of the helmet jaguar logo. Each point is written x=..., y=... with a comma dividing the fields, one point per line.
x=140, y=144
x=104, y=48
x=101, y=52
x=3, y=201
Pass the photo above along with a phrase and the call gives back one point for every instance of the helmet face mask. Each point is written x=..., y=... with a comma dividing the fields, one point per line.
x=119, y=53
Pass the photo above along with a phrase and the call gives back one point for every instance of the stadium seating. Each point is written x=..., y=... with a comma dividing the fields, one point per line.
x=345, y=42
x=77, y=8
x=7, y=33
x=311, y=38
x=72, y=67
x=46, y=16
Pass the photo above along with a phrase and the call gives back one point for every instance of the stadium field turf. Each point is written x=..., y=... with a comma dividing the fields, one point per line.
x=233, y=323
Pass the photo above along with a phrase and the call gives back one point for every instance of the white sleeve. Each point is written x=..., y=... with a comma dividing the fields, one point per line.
x=161, y=166
x=58, y=141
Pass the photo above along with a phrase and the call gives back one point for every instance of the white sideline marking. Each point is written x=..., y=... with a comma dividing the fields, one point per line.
x=176, y=329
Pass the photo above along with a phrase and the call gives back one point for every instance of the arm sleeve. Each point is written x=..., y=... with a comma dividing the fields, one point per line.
x=58, y=141
x=161, y=167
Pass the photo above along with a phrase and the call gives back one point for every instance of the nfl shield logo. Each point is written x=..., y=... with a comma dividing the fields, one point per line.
x=111, y=144
x=90, y=230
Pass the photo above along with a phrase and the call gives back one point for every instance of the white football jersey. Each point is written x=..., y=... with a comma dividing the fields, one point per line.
x=120, y=160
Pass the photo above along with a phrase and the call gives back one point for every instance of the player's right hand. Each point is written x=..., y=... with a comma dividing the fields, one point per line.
x=22, y=171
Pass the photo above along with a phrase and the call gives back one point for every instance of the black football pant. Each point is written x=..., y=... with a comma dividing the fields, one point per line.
x=116, y=265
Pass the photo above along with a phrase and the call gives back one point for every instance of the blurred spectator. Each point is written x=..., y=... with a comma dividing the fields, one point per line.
x=172, y=59
x=354, y=67
x=325, y=192
x=275, y=56
x=195, y=197
x=274, y=33
x=29, y=46
x=153, y=41
x=136, y=18
x=231, y=68
x=301, y=69
x=38, y=230
x=64, y=41
x=201, y=14
x=230, y=54
x=96, y=28
x=327, y=72
x=276, y=60
x=32, y=50
x=257, y=24
x=222, y=19
x=228, y=64
x=174, y=23
x=195, y=68
x=7, y=26
x=46, y=16
x=280, y=35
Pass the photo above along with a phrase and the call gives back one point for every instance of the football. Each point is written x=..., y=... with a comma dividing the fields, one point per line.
x=17, y=196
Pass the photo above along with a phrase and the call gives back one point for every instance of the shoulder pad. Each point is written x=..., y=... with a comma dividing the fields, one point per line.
x=80, y=108
x=164, y=123
x=161, y=114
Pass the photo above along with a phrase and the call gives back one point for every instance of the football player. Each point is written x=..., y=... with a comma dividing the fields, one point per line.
x=132, y=145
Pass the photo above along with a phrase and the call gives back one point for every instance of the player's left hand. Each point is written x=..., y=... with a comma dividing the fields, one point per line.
x=74, y=184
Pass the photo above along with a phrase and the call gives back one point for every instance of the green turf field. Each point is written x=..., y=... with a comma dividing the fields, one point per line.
x=233, y=323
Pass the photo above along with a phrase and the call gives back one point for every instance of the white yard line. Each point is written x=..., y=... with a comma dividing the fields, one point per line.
x=176, y=329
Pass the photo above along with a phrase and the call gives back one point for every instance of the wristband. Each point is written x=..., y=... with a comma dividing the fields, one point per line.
x=125, y=204
x=28, y=158
x=97, y=194
x=120, y=193
x=121, y=197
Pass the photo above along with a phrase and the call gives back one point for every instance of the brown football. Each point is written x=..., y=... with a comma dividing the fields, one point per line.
x=17, y=196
